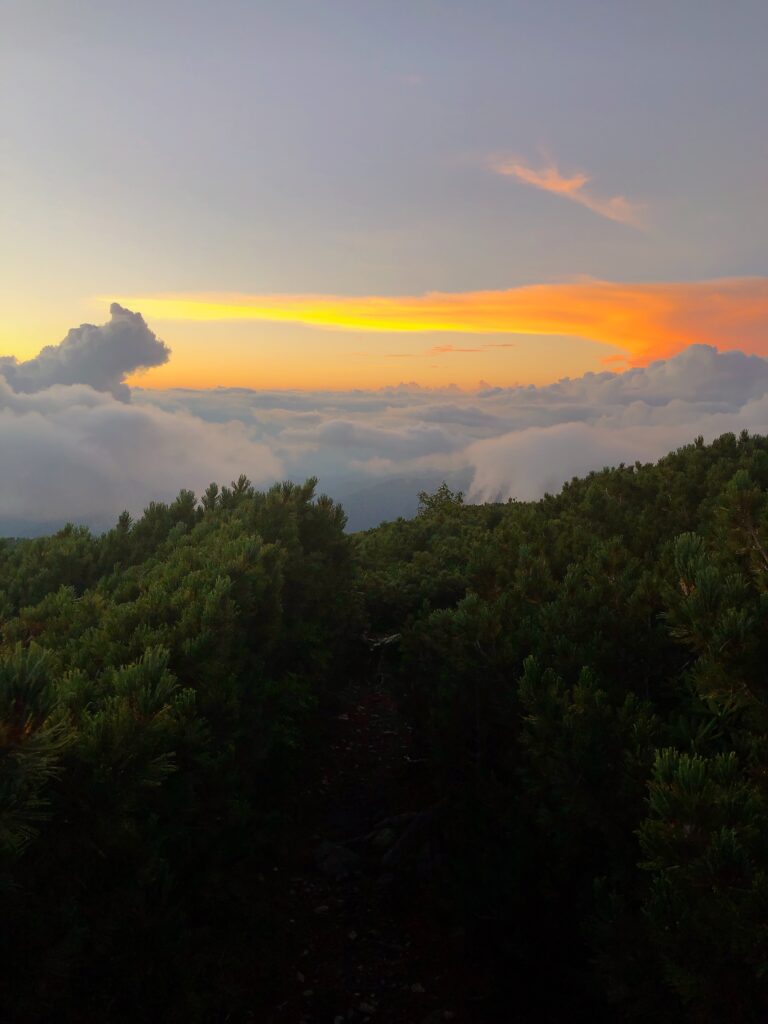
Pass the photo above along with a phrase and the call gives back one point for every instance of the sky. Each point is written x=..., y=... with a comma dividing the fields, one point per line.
x=382, y=243
x=336, y=194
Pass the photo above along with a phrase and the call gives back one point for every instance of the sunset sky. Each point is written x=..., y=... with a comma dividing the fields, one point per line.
x=354, y=193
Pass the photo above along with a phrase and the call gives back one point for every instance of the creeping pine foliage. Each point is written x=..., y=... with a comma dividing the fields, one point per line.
x=157, y=690
x=31, y=744
x=583, y=677
x=587, y=674
x=705, y=849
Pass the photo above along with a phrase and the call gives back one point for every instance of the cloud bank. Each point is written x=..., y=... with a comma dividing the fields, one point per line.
x=647, y=321
x=375, y=449
x=72, y=446
x=75, y=449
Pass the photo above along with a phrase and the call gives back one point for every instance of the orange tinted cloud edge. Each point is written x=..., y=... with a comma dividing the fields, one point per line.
x=647, y=321
x=549, y=179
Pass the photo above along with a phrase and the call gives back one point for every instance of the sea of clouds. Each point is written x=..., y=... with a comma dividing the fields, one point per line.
x=77, y=444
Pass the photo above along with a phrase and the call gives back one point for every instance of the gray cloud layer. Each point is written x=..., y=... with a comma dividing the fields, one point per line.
x=498, y=442
x=101, y=357
x=74, y=453
x=72, y=447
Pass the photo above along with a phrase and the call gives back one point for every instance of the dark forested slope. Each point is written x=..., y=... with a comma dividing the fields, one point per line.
x=583, y=677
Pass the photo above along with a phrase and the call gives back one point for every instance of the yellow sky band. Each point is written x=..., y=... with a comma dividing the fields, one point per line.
x=647, y=320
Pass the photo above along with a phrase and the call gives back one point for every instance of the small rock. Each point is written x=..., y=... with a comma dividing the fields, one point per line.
x=322, y=909
x=352, y=935
x=417, y=988
x=366, y=1008
x=300, y=976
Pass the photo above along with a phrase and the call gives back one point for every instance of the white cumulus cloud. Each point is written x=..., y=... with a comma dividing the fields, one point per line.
x=73, y=447
x=99, y=356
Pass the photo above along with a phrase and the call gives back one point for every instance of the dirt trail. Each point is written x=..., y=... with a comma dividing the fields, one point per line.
x=364, y=940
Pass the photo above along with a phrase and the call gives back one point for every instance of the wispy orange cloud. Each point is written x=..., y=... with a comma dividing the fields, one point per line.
x=644, y=320
x=549, y=179
x=441, y=350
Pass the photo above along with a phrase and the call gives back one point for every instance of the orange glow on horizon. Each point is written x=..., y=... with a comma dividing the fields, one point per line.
x=646, y=321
